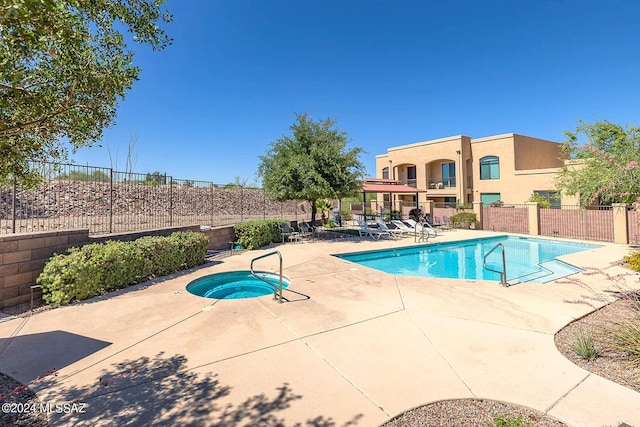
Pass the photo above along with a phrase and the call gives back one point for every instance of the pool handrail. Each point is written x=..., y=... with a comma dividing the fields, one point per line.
x=275, y=288
x=503, y=273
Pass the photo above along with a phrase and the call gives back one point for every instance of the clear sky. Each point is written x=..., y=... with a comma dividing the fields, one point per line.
x=390, y=73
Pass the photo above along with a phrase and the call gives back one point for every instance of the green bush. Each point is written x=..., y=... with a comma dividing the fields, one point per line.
x=159, y=255
x=463, y=219
x=98, y=268
x=191, y=246
x=259, y=233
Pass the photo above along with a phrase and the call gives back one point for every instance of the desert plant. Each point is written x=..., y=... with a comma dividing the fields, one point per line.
x=324, y=206
x=500, y=420
x=633, y=260
x=463, y=219
x=626, y=334
x=496, y=204
x=584, y=346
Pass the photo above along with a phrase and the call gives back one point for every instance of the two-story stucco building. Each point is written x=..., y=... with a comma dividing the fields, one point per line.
x=462, y=170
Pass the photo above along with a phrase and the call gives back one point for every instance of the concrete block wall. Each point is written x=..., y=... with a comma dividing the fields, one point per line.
x=220, y=237
x=23, y=256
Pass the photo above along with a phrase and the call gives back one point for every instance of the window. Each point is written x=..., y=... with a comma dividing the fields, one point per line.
x=490, y=167
x=553, y=197
x=411, y=176
x=449, y=175
x=385, y=173
x=487, y=198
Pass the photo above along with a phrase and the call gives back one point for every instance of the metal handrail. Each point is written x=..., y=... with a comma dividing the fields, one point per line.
x=503, y=273
x=275, y=288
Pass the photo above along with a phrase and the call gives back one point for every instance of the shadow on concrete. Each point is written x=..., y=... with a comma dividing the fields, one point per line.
x=27, y=357
x=162, y=391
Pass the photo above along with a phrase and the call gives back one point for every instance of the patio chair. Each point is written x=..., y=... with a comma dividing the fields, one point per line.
x=287, y=231
x=402, y=226
x=365, y=230
x=394, y=232
x=306, y=230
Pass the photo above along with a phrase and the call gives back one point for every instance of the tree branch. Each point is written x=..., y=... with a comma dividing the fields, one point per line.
x=6, y=86
x=15, y=130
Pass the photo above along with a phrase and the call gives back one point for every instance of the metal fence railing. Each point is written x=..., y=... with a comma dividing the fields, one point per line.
x=108, y=201
x=594, y=223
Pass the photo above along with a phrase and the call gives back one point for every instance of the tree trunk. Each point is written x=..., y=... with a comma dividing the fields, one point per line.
x=314, y=210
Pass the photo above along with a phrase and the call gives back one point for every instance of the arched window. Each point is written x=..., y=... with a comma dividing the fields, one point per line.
x=385, y=173
x=490, y=167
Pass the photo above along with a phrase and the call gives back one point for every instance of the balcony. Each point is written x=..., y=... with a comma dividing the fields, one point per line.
x=439, y=183
x=410, y=182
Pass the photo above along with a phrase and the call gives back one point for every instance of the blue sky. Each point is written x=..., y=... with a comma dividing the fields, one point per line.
x=390, y=73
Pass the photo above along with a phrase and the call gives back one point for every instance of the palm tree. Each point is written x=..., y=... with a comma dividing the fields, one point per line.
x=324, y=206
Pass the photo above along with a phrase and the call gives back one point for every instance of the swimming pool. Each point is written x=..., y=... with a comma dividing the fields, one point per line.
x=527, y=260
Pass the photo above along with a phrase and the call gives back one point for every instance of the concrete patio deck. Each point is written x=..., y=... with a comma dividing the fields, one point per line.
x=366, y=346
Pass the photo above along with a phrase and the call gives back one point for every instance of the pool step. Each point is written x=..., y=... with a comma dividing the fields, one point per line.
x=551, y=270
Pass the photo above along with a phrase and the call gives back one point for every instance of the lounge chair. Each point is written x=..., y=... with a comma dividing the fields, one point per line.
x=287, y=231
x=419, y=228
x=435, y=231
x=395, y=232
x=402, y=226
x=365, y=230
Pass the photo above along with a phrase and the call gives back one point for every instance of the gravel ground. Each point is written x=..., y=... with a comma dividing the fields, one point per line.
x=611, y=364
x=469, y=413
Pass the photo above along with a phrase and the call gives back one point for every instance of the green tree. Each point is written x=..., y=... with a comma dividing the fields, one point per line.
x=64, y=65
x=604, y=163
x=312, y=163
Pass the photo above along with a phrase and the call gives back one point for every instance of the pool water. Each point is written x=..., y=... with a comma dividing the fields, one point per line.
x=235, y=285
x=527, y=260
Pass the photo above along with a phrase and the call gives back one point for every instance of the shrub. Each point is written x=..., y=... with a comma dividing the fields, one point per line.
x=500, y=420
x=463, y=219
x=626, y=336
x=633, y=260
x=98, y=268
x=159, y=255
x=584, y=345
x=255, y=234
x=541, y=200
x=496, y=204
x=346, y=214
x=192, y=247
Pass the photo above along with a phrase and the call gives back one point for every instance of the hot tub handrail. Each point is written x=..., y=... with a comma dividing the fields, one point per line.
x=275, y=288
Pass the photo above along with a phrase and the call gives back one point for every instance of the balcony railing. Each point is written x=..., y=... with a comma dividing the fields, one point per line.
x=410, y=183
x=439, y=183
